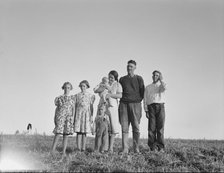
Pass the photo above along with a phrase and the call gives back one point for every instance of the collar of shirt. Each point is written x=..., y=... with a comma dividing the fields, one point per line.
x=131, y=76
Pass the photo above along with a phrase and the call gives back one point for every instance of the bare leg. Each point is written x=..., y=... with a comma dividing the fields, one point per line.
x=105, y=138
x=104, y=97
x=83, y=141
x=78, y=140
x=65, y=143
x=111, y=142
x=55, y=142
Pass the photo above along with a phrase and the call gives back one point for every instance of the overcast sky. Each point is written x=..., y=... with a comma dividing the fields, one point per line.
x=45, y=43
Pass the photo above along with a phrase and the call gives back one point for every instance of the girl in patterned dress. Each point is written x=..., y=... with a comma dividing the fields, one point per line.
x=64, y=117
x=83, y=114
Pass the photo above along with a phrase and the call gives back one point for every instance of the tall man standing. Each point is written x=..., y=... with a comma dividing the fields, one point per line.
x=130, y=110
x=155, y=111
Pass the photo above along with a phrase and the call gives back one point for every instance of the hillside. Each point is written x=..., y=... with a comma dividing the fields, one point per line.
x=32, y=153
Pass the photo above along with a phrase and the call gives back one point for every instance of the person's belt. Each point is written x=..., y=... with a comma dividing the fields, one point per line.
x=157, y=104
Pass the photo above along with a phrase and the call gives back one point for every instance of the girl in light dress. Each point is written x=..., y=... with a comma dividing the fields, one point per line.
x=83, y=114
x=64, y=117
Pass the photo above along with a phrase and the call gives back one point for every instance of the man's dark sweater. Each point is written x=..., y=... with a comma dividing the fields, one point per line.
x=133, y=89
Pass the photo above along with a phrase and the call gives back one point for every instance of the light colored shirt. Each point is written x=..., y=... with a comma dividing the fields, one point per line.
x=154, y=93
x=116, y=88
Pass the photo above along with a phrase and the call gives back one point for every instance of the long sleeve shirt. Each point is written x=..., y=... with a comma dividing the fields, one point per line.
x=133, y=89
x=154, y=93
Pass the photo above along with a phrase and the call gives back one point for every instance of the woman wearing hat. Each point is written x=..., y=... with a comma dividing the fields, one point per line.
x=83, y=114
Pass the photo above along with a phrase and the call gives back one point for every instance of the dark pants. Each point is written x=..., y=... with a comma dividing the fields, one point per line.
x=156, y=125
x=101, y=138
x=130, y=113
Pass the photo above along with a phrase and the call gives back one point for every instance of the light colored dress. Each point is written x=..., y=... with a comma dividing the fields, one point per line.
x=83, y=112
x=112, y=110
x=63, y=115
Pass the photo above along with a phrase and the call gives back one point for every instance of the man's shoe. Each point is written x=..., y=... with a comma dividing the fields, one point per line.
x=154, y=149
x=136, y=150
x=123, y=152
x=161, y=150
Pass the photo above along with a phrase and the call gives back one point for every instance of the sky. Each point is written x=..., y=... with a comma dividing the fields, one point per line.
x=45, y=43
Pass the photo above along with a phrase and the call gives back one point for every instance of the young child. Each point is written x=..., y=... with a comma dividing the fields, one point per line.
x=64, y=117
x=83, y=114
x=29, y=129
x=103, y=88
x=102, y=126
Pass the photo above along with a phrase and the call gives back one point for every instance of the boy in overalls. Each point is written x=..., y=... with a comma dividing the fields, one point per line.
x=101, y=126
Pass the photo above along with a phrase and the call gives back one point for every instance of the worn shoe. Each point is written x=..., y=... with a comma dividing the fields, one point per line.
x=136, y=151
x=110, y=151
x=154, y=149
x=161, y=150
x=124, y=152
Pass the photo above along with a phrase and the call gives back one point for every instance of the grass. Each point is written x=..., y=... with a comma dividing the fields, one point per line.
x=180, y=155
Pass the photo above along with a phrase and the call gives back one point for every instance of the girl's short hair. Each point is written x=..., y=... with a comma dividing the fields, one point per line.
x=85, y=82
x=67, y=83
x=115, y=74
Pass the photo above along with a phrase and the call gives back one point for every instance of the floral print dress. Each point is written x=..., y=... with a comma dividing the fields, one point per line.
x=83, y=112
x=63, y=115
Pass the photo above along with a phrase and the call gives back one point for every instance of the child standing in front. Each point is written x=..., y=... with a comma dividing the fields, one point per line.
x=64, y=117
x=102, y=127
x=83, y=114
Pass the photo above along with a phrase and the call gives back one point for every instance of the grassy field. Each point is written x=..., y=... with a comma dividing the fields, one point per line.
x=32, y=153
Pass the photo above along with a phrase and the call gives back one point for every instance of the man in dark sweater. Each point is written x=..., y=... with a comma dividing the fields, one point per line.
x=130, y=108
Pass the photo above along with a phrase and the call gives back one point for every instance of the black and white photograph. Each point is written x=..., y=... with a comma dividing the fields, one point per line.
x=112, y=86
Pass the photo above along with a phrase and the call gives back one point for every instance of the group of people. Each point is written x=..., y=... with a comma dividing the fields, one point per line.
x=119, y=106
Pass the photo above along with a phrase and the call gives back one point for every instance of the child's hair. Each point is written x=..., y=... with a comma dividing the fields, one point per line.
x=66, y=83
x=85, y=82
x=104, y=79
